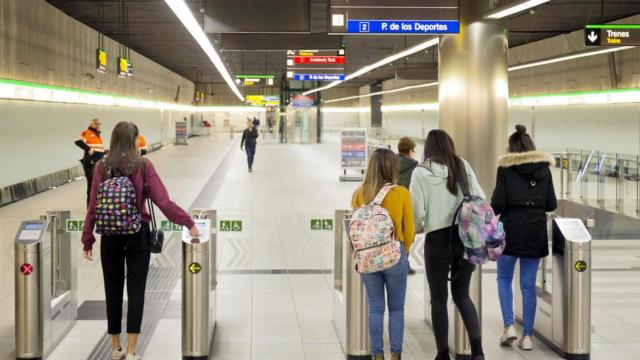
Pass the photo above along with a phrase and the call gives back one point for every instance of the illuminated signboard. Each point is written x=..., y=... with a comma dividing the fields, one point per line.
x=123, y=67
x=405, y=17
x=320, y=65
x=263, y=100
x=249, y=80
x=354, y=148
x=612, y=35
x=101, y=60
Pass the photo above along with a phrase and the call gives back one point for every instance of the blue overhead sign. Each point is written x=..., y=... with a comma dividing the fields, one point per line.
x=427, y=27
x=319, y=77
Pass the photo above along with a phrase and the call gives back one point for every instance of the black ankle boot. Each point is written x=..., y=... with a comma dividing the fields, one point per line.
x=443, y=355
x=476, y=350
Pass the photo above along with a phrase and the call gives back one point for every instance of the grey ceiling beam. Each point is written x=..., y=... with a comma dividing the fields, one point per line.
x=281, y=42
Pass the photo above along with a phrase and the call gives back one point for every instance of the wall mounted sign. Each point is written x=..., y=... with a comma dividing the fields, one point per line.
x=612, y=35
x=101, y=60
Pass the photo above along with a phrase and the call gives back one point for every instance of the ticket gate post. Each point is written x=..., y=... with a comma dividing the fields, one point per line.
x=563, y=316
x=350, y=310
x=45, y=285
x=199, y=287
x=459, y=343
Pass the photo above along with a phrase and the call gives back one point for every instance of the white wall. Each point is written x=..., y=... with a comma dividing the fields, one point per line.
x=610, y=128
x=37, y=137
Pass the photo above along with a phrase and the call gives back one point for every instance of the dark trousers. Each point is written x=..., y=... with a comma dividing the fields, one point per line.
x=443, y=254
x=87, y=166
x=251, y=153
x=116, y=252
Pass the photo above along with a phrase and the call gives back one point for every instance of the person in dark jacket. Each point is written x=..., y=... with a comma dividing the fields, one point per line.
x=523, y=195
x=406, y=150
x=249, y=136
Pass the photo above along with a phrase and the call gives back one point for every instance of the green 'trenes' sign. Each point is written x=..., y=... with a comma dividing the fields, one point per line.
x=231, y=225
x=321, y=224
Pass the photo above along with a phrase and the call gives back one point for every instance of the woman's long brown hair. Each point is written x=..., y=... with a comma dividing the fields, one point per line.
x=123, y=158
x=439, y=147
x=382, y=169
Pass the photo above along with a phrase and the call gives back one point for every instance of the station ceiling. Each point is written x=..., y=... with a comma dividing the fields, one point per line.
x=152, y=29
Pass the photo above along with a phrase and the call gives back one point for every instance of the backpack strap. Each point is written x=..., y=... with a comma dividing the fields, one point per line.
x=382, y=194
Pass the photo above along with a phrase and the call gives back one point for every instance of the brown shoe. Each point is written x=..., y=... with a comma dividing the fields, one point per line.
x=396, y=356
x=379, y=357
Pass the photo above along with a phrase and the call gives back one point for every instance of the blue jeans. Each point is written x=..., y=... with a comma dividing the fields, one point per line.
x=528, y=272
x=394, y=280
x=251, y=153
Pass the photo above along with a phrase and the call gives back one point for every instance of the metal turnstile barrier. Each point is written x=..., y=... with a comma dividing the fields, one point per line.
x=199, y=287
x=563, y=315
x=350, y=310
x=459, y=344
x=45, y=285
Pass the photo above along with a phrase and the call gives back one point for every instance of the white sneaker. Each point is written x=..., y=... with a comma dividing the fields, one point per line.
x=509, y=336
x=133, y=357
x=118, y=354
x=526, y=343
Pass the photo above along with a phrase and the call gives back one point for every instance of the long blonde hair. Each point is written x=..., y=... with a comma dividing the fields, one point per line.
x=382, y=169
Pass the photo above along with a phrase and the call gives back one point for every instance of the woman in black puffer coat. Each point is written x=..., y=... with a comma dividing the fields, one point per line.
x=523, y=195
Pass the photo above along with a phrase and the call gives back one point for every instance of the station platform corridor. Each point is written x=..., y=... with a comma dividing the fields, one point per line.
x=275, y=282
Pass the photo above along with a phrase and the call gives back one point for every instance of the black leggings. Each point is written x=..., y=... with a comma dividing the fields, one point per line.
x=443, y=253
x=115, y=252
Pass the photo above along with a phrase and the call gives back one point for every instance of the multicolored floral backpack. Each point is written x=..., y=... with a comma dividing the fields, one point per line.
x=116, y=207
x=481, y=233
x=371, y=232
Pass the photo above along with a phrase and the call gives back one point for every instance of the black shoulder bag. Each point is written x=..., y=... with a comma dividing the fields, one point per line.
x=156, y=236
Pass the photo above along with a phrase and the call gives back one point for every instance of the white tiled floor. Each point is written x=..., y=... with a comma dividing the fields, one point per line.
x=289, y=316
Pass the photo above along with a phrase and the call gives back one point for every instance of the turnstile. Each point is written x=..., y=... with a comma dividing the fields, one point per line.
x=45, y=285
x=563, y=316
x=350, y=310
x=199, y=287
x=459, y=344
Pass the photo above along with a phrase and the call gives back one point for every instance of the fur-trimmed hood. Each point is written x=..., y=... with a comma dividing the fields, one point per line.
x=530, y=157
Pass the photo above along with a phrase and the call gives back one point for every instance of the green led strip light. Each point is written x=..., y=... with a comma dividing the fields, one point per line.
x=614, y=26
x=255, y=76
x=579, y=93
x=72, y=90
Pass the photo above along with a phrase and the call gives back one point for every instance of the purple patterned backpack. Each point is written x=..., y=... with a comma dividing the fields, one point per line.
x=116, y=207
x=481, y=233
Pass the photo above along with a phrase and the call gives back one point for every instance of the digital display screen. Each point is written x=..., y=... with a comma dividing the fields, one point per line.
x=33, y=226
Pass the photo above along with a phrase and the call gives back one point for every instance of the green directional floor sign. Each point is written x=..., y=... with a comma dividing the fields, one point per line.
x=176, y=227
x=236, y=225
x=165, y=225
x=316, y=224
x=327, y=224
x=72, y=225
x=225, y=225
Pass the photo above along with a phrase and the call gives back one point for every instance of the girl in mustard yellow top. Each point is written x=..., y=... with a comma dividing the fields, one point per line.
x=383, y=168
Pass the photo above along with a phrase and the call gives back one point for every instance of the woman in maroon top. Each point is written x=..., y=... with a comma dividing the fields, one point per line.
x=132, y=250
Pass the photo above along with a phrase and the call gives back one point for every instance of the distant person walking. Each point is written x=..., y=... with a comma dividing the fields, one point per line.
x=124, y=167
x=436, y=195
x=90, y=142
x=382, y=170
x=406, y=151
x=249, y=142
x=523, y=195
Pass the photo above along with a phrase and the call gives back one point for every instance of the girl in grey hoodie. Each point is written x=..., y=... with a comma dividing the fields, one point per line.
x=436, y=195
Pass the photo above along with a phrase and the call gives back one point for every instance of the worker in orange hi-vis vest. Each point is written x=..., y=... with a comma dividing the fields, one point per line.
x=142, y=145
x=91, y=142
